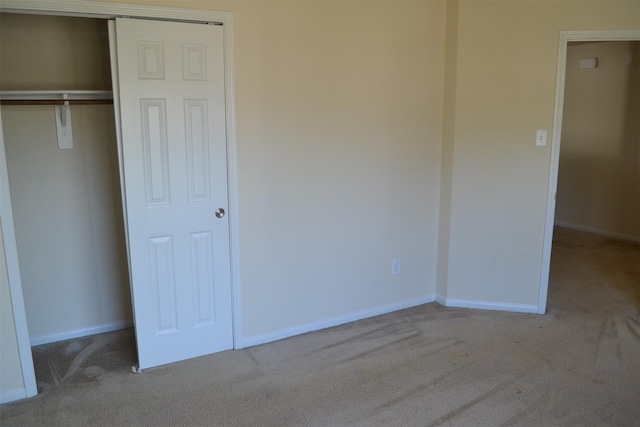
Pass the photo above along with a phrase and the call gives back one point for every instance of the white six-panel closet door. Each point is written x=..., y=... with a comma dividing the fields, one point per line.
x=170, y=87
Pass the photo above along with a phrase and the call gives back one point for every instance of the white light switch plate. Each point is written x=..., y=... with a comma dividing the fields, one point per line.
x=395, y=266
x=541, y=137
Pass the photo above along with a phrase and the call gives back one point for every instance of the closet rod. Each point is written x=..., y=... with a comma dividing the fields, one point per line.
x=55, y=101
x=55, y=97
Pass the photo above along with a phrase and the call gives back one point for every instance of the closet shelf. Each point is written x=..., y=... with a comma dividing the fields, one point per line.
x=55, y=97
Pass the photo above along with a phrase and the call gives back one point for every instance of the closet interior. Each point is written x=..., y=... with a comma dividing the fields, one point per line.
x=60, y=141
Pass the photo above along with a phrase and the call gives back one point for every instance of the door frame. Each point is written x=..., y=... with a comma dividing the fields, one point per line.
x=564, y=39
x=15, y=284
x=102, y=10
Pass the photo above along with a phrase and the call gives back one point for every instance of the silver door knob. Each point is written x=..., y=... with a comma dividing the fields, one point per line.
x=219, y=212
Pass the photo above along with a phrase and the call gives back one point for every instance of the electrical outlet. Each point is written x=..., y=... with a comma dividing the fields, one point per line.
x=395, y=266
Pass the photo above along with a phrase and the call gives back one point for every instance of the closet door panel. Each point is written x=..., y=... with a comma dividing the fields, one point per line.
x=172, y=110
x=154, y=140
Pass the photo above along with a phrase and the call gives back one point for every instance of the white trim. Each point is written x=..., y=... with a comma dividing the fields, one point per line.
x=84, y=332
x=13, y=273
x=488, y=305
x=115, y=83
x=104, y=10
x=335, y=321
x=441, y=299
x=232, y=180
x=599, y=232
x=15, y=394
x=564, y=38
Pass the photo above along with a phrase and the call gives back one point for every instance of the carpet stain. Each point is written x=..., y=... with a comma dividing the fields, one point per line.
x=633, y=326
x=530, y=409
x=487, y=394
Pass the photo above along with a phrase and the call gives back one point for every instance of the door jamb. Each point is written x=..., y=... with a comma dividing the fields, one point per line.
x=15, y=282
x=564, y=39
x=102, y=10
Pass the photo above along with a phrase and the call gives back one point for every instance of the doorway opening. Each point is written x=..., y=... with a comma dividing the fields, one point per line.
x=595, y=254
x=595, y=168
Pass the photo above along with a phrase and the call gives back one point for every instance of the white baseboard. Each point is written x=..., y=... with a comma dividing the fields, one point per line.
x=441, y=299
x=77, y=333
x=334, y=321
x=597, y=231
x=487, y=305
x=12, y=395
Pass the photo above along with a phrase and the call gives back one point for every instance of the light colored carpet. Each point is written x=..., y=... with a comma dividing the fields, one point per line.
x=429, y=365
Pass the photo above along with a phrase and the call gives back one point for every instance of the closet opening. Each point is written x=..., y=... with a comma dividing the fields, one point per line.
x=67, y=201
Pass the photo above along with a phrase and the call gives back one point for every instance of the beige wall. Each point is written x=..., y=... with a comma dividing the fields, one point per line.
x=43, y=53
x=506, y=72
x=11, y=381
x=339, y=108
x=67, y=209
x=599, y=176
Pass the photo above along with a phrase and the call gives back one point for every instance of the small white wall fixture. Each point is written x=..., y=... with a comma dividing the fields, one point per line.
x=95, y=9
x=564, y=39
